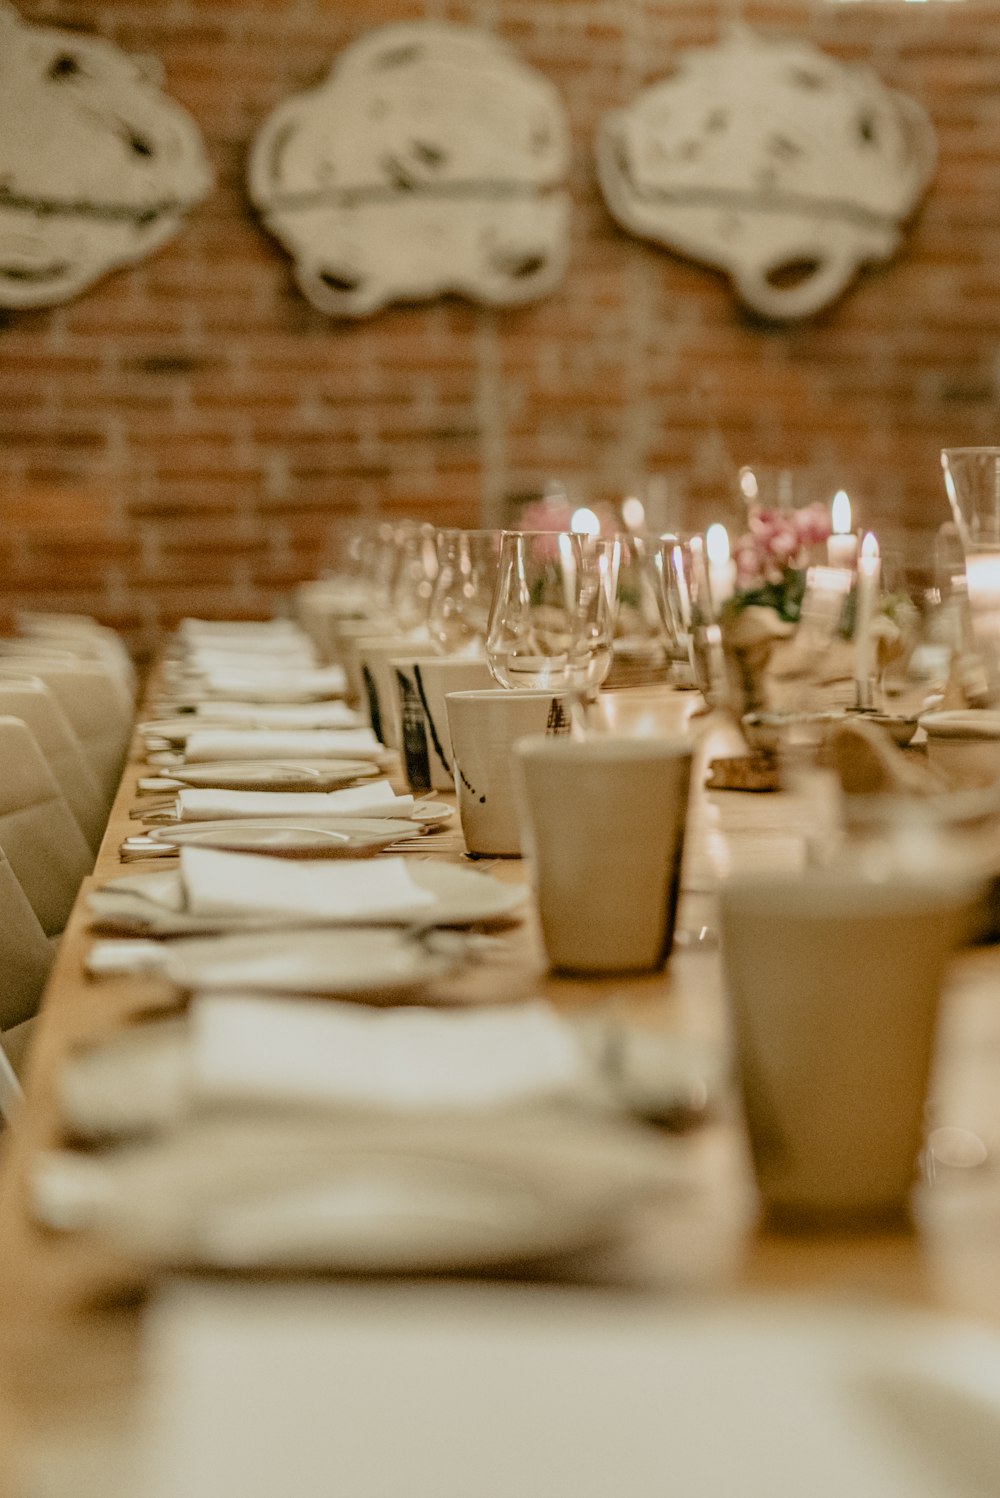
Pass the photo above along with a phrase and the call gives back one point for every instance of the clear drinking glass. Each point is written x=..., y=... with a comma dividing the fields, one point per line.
x=691, y=631
x=972, y=483
x=553, y=615
x=463, y=590
x=414, y=575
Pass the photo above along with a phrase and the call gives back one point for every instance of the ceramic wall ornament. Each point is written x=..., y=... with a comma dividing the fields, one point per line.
x=97, y=165
x=772, y=161
x=429, y=160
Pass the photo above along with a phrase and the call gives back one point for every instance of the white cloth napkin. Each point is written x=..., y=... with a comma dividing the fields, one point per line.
x=208, y=744
x=251, y=638
x=217, y=883
x=290, y=1050
x=295, y=655
x=273, y=685
x=373, y=800
x=261, y=715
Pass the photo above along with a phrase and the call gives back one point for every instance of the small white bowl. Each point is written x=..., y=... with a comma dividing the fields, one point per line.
x=964, y=743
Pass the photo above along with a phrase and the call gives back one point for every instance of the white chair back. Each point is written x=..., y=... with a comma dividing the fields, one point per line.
x=38, y=833
x=96, y=704
x=25, y=952
x=80, y=632
x=30, y=700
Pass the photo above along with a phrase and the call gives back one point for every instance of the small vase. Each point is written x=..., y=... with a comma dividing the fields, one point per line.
x=748, y=640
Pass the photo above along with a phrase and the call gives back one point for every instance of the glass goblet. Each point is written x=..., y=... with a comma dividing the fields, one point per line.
x=463, y=590
x=552, y=621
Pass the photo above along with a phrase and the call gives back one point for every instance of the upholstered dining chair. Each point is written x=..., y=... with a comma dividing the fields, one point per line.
x=87, y=652
x=98, y=708
x=25, y=959
x=29, y=699
x=83, y=635
x=39, y=835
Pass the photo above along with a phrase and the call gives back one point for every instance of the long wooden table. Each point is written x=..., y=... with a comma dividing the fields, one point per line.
x=70, y=1312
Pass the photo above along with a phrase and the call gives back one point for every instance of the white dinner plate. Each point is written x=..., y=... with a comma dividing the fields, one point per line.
x=176, y=731
x=375, y=1195
x=360, y=962
x=282, y=837
x=151, y=904
x=279, y=775
x=427, y=814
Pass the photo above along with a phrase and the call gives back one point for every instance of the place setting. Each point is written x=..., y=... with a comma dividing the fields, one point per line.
x=263, y=1132
x=213, y=890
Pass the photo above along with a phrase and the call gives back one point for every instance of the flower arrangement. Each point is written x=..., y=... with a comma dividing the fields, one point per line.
x=773, y=555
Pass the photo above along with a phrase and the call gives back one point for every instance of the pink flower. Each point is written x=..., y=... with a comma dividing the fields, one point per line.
x=813, y=523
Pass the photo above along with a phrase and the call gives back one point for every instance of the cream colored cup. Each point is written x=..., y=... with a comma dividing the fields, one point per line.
x=603, y=825
x=965, y=744
x=421, y=683
x=484, y=727
x=833, y=986
x=345, y=639
x=378, y=682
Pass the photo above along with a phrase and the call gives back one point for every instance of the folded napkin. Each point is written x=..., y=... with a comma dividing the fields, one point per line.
x=294, y=655
x=271, y=684
x=373, y=800
x=248, y=632
x=217, y=884
x=260, y=715
x=246, y=1049
x=208, y=744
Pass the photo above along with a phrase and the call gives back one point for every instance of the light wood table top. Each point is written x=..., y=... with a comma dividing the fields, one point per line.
x=70, y=1312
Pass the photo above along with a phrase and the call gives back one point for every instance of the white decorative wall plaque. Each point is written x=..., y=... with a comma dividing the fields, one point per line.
x=429, y=160
x=97, y=165
x=772, y=161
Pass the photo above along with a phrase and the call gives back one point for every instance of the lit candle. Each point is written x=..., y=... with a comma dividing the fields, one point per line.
x=585, y=523
x=721, y=567
x=982, y=575
x=634, y=512
x=866, y=601
x=842, y=546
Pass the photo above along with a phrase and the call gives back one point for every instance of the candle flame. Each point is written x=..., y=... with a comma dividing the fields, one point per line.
x=633, y=512
x=869, y=548
x=584, y=522
x=717, y=544
x=840, y=513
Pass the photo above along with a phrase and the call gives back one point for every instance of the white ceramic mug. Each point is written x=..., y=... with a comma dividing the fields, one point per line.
x=422, y=682
x=833, y=984
x=378, y=682
x=603, y=824
x=485, y=726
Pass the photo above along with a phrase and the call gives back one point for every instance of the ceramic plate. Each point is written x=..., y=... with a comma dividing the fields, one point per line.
x=370, y=963
x=281, y=837
x=380, y=1195
x=151, y=904
x=261, y=775
x=175, y=732
x=426, y=814
x=567, y=1390
x=172, y=760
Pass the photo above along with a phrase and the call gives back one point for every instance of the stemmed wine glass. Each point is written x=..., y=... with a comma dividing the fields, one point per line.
x=552, y=621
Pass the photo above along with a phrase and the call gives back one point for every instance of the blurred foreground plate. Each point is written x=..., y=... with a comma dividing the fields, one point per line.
x=258, y=1390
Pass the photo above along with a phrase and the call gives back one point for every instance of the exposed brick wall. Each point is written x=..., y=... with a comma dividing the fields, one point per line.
x=185, y=435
